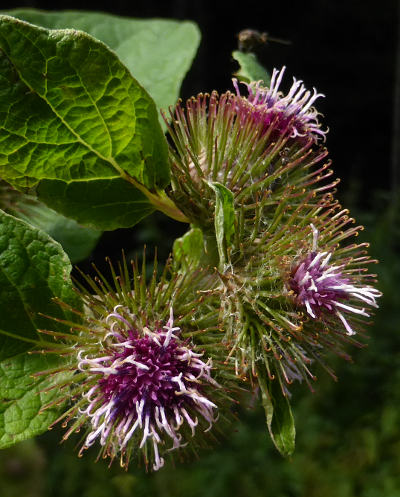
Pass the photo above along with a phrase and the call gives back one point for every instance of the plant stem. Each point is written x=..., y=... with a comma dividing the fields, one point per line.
x=163, y=203
x=159, y=200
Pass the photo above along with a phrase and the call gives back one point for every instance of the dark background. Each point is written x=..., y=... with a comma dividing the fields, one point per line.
x=346, y=49
x=348, y=442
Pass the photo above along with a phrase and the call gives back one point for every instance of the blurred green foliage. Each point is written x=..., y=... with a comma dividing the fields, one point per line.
x=348, y=442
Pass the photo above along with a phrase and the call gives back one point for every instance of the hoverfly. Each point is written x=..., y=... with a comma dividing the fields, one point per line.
x=250, y=40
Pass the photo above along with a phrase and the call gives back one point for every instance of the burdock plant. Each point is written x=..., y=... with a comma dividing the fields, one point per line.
x=251, y=169
x=267, y=282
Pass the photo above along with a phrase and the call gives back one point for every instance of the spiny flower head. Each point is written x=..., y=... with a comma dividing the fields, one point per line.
x=322, y=287
x=293, y=111
x=297, y=292
x=257, y=146
x=146, y=387
x=140, y=379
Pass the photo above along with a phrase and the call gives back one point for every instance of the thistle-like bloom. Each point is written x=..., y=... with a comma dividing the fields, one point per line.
x=137, y=383
x=271, y=107
x=262, y=147
x=146, y=387
x=323, y=288
x=251, y=171
x=296, y=292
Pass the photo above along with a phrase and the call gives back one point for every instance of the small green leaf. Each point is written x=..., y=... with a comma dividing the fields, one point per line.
x=250, y=68
x=224, y=219
x=22, y=397
x=189, y=249
x=278, y=414
x=33, y=270
x=158, y=52
x=71, y=111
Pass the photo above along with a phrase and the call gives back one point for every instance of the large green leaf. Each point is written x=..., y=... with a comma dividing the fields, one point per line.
x=22, y=396
x=278, y=414
x=158, y=52
x=70, y=111
x=33, y=270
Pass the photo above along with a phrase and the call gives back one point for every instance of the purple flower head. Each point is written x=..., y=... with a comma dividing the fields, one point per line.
x=292, y=113
x=257, y=146
x=135, y=384
x=147, y=388
x=322, y=287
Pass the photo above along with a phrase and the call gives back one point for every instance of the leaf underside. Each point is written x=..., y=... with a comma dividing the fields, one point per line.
x=77, y=241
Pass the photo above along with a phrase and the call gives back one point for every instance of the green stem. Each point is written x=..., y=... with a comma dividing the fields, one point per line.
x=159, y=200
x=163, y=203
